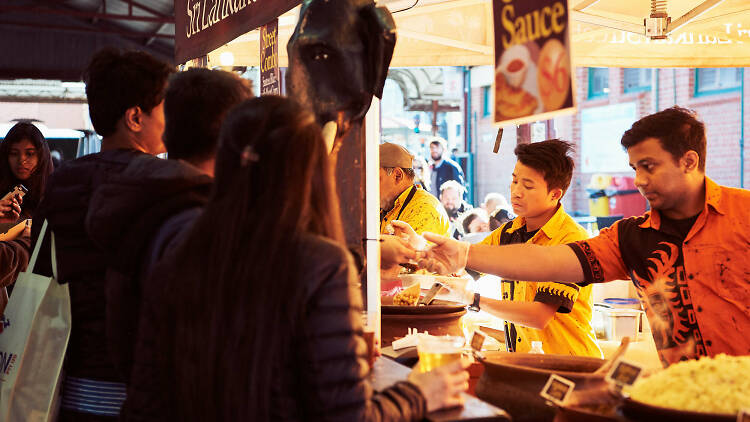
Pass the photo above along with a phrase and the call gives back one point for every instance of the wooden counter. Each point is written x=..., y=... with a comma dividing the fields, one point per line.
x=387, y=372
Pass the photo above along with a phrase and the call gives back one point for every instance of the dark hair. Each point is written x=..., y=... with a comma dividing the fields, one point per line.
x=274, y=185
x=436, y=140
x=117, y=80
x=550, y=158
x=677, y=129
x=468, y=217
x=499, y=217
x=38, y=180
x=195, y=105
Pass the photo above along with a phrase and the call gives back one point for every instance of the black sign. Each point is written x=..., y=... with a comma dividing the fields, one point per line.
x=202, y=26
x=624, y=373
x=269, y=59
x=557, y=389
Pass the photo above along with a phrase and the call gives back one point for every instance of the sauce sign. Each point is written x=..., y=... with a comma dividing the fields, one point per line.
x=533, y=74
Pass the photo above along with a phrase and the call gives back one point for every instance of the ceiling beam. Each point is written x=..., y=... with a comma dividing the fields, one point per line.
x=584, y=4
x=607, y=22
x=83, y=14
x=692, y=14
x=478, y=48
x=85, y=30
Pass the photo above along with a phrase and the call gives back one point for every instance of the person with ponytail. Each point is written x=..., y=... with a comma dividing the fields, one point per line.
x=256, y=314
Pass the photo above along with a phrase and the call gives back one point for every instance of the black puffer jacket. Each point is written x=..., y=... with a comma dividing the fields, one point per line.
x=323, y=379
x=94, y=205
x=124, y=216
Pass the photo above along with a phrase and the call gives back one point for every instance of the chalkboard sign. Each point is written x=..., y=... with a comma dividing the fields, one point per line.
x=623, y=373
x=557, y=389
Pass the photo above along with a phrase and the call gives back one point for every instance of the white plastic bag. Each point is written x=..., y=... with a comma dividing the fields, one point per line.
x=33, y=339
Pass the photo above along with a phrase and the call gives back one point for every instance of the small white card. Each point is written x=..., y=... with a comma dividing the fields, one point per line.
x=477, y=340
x=557, y=389
x=623, y=372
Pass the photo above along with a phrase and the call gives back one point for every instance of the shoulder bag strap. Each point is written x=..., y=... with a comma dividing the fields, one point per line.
x=38, y=246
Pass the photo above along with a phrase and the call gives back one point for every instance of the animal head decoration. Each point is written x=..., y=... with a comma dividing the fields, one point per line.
x=338, y=58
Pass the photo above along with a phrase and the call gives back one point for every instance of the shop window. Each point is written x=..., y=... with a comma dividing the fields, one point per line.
x=635, y=80
x=598, y=82
x=716, y=81
x=486, y=101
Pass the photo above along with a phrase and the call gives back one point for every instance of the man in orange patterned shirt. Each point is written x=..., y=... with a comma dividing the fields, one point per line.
x=688, y=256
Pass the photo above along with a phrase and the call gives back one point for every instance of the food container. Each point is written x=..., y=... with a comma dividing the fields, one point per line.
x=619, y=323
x=439, y=319
x=512, y=381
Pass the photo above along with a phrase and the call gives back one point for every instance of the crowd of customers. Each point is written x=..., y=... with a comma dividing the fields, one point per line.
x=184, y=305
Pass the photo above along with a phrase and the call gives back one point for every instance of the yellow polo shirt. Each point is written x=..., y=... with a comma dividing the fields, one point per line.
x=424, y=213
x=569, y=332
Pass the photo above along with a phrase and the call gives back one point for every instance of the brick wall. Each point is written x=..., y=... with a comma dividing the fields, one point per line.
x=720, y=112
x=493, y=171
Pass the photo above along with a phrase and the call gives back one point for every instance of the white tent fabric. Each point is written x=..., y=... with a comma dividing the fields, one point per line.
x=460, y=33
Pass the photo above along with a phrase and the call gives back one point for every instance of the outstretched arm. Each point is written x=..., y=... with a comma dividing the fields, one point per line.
x=529, y=314
x=526, y=262
x=515, y=262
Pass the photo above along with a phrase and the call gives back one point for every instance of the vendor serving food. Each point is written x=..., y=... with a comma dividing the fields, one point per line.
x=687, y=257
x=401, y=199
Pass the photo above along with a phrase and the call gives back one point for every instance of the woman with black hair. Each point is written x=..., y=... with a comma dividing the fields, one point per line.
x=256, y=316
x=25, y=159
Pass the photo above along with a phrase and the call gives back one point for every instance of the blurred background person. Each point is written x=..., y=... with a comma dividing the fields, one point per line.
x=475, y=224
x=451, y=197
x=493, y=201
x=281, y=341
x=443, y=168
x=422, y=173
x=499, y=217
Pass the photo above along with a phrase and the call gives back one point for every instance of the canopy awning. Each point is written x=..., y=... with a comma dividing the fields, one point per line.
x=460, y=33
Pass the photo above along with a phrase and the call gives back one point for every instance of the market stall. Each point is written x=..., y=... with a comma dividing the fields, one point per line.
x=603, y=33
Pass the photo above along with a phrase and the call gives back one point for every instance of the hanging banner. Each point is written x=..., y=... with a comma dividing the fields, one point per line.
x=270, y=82
x=201, y=26
x=533, y=78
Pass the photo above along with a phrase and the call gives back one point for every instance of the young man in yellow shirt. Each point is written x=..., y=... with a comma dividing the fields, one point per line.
x=557, y=314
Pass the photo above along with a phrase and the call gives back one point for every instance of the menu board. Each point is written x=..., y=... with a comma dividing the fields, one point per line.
x=270, y=78
x=533, y=73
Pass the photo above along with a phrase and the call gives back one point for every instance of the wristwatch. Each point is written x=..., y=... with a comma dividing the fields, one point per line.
x=475, y=304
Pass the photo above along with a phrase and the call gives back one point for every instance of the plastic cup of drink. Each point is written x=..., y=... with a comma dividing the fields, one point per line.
x=435, y=351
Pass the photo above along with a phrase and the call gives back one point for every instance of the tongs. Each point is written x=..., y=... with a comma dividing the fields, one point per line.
x=430, y=295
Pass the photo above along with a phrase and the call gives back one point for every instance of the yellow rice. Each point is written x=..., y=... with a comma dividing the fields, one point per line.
x=712, y=385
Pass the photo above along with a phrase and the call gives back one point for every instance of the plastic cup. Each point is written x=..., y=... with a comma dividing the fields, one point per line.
x=435, y=351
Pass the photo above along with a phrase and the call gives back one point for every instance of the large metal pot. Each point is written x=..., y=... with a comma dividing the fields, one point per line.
x=438, y=320
x=512, y=381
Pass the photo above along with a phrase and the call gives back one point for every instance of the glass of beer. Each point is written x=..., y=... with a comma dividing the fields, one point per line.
x=437, y=351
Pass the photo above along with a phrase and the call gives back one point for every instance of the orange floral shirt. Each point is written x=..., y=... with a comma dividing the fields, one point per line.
x=695, y=289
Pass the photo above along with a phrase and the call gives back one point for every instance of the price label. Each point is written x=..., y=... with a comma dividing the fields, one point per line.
x=744, y=415
x=477, y=340
x=557, y=389
x=623, y=373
